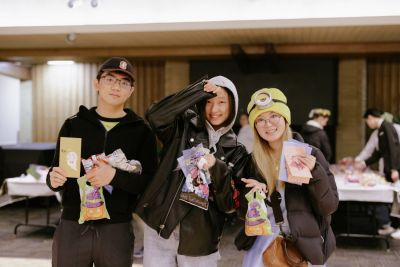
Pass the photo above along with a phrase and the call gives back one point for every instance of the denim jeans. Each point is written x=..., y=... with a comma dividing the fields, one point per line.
x=164, y=252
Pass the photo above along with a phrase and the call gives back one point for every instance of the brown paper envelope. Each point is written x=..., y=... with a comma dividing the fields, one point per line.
x=70, y=156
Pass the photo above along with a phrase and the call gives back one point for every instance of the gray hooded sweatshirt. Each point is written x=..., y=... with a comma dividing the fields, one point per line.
x=215, y=135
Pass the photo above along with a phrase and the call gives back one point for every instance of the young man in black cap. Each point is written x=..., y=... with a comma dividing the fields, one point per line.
x=82, y=239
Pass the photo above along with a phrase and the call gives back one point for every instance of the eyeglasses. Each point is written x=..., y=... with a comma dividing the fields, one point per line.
x=273, y=119
x=111, y=80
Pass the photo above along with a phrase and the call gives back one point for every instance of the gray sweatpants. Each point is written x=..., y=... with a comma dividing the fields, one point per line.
x=82, y=245
x=164, y=252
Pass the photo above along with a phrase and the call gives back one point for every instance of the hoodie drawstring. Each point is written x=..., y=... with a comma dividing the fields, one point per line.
x=92, y=228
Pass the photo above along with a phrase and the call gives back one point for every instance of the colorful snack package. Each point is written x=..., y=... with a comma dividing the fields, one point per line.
x=256, y=222
x=93, y=205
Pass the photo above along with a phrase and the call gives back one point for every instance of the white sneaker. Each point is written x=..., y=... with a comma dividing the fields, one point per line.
x=386, y=230
x=396, y=234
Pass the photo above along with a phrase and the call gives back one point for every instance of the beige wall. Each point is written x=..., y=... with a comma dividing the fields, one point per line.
x=149, y=85
x=57, y=93
x=59, y=90
x=176, y=76
x=350, y=133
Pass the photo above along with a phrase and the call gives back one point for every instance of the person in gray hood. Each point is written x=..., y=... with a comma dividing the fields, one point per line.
x=179, y=231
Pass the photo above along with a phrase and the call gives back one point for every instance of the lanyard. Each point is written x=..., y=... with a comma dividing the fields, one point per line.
x=274, y=202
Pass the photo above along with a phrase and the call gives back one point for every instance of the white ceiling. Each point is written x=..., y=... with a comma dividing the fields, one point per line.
x=180, y=13
x=44, y=24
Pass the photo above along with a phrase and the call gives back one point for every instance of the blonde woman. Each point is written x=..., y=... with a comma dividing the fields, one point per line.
x=305, y=209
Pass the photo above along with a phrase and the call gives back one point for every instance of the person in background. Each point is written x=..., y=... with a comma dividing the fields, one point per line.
x=179, y=232
x=103, y=241
x=388, y=144
x=245, y=135
x=305, y=209
x=313, y=131
x=389, y=149
x=372, y=143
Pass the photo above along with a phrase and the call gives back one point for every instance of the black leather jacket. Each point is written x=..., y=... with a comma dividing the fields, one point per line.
x=178, y=127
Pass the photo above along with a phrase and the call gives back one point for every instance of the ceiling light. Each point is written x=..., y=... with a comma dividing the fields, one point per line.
x=75, y=3
x=70, y=38
x=94, y=3
x=60, y=62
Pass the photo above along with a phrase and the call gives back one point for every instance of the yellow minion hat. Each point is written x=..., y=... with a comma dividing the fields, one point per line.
x=268, y=99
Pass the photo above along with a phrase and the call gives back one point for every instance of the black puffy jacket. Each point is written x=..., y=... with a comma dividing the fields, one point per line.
x=178, y=127
x=309, y=208
x=317, y=137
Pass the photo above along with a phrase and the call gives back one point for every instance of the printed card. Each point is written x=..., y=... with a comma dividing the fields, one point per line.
x=290, y=148
x=195, y=190
x=298, y=173
x=70, y=156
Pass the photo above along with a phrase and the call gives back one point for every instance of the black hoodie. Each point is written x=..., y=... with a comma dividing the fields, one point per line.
x=317, y=137
x=135, y=139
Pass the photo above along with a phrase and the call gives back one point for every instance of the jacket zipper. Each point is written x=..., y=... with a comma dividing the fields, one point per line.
x=105, y=139
x=162, y=226
x=106, y=136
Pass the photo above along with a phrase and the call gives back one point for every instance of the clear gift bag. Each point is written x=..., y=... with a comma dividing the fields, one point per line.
x=256, y=222
x=93, y=204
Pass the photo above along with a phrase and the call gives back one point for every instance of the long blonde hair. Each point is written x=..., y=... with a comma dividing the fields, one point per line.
x=265, y=163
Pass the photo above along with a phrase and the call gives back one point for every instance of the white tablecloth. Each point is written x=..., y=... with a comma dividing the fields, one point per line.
x=28, y=186
x=356, y=192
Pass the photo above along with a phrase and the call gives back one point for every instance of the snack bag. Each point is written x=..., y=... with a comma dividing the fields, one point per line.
x=257, y=222
x=93, y=205
x=117, y=159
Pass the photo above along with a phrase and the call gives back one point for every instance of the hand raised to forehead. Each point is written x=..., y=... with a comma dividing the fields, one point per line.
x=211, y=88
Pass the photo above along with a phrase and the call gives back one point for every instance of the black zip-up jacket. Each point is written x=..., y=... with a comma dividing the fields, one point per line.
x=389, y=149
x=135, y=139
x=309, y=209
x=178, y=127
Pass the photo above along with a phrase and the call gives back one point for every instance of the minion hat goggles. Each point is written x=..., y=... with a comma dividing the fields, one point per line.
x=268, y=99
x=263, y=100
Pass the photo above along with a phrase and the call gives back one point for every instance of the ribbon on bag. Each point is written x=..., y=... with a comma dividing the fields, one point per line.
x=256, y=222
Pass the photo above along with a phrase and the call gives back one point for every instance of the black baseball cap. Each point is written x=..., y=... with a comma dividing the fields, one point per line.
x=118, y=64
